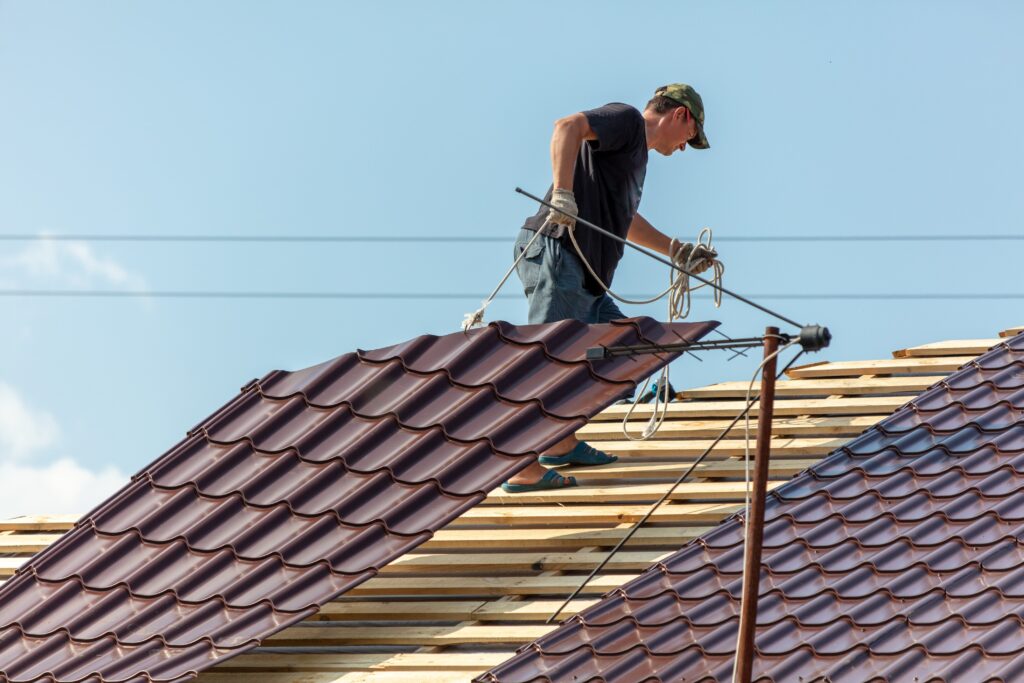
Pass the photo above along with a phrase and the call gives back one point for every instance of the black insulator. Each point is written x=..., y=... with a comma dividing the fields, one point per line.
x=814, y=337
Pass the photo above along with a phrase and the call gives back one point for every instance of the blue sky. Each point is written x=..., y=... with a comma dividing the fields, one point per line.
x=402, y=118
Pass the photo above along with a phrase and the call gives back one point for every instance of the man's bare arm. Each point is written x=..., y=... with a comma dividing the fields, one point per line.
x=646, y=235
x=570, y=132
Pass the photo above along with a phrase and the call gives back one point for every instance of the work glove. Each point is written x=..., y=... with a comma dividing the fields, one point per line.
x=565, y=201
x=695, y=258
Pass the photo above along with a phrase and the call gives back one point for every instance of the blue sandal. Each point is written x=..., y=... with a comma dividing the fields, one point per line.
x=550, y=480
x=582, y=454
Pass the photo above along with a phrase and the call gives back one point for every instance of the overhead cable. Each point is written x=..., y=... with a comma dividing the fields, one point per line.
x=469, y=239
x=212, y=294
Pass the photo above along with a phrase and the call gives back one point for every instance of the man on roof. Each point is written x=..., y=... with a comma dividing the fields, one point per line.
x=599, y=161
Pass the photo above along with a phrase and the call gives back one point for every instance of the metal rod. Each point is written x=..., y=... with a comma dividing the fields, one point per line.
x=755, y=522
x=636, y=349
x=725, y=336
x=658, y=257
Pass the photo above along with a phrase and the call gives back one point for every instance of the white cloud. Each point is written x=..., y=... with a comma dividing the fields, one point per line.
x=22, y=430
x=58, y=488
x=71, y=264
x=29, y=484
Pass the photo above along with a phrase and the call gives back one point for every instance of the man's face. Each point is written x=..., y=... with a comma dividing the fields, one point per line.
x=678, y=128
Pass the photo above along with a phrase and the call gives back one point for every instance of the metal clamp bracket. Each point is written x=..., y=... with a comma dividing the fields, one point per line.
x=810, y=338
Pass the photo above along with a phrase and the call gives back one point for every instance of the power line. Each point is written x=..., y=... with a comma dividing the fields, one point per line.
x=210, y=294
x=256, y=238
x=470, y=239
x=867, y=238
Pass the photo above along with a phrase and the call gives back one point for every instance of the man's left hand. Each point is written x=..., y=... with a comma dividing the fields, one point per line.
x=696, y=258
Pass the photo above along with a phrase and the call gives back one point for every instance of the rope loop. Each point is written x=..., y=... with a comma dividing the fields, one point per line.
x=678, y=293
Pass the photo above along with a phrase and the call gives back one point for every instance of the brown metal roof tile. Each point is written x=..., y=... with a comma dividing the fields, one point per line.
x=1005, y=378
x=301, y=488
x=208, y=524
x=57, y=657
x=1001, y=357
x=46, y=608
x=952, y=418
x=899, y=557
x=149, y=569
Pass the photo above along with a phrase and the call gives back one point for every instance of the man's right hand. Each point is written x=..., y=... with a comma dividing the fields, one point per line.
x=565, y=201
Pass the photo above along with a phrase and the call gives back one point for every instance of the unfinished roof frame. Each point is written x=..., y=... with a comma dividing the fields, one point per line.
x=491, y=577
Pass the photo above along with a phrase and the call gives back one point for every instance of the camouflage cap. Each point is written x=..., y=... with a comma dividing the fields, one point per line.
x=688, y=97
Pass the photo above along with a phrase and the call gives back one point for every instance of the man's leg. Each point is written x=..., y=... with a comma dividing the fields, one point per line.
x=552, y=279
x=570, y=450
x=606, y=310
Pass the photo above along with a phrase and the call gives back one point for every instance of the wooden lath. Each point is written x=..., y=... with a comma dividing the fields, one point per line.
x=847, y=425
x=483, y=586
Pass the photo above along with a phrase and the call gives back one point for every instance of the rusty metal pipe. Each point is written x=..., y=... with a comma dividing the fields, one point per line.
x=755, y=522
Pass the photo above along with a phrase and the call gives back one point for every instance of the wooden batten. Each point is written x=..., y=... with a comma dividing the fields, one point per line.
x=957, y=347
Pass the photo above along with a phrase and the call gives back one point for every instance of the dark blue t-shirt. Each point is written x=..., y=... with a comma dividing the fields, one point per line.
x=607, y=182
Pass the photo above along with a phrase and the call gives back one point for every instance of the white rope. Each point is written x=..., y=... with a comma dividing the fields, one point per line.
x=679, y=296
x=471, y=320
x=678, y=293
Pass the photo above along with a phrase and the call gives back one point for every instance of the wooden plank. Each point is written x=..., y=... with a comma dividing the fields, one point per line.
x=623, y=471
x=726, y=490
x=217, y=676
x=26, y=543
x=525, y=515
x=529, y=610
x=788, y=426
x=523, y=539
x=488, y=585
x=887, y=366
x=853, y=405
x=377, y=661
x=821, y=387
x=445, y=610
x=407, y=676
x=1012, y=331
x=954, y=347
x=401, y=610
x=502, y=563
x=726, y=448
x=39, y=523
x=9, y=565
x=328, y=636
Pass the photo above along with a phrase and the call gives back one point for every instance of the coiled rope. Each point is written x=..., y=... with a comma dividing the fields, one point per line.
x=679, y=301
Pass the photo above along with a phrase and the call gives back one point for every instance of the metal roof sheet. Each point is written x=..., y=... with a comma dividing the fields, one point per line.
x=897, y=558
x=301, y=488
